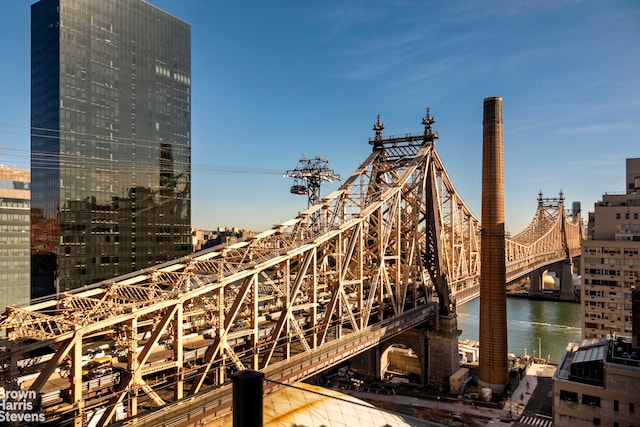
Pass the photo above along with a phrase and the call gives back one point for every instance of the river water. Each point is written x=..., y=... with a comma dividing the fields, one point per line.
x=546, y=326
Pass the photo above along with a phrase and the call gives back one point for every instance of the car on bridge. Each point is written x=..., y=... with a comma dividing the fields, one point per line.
x=97, y=367
x=93, y=353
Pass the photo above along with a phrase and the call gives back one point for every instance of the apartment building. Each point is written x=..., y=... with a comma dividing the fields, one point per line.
x=14, y=236
x=611, y=260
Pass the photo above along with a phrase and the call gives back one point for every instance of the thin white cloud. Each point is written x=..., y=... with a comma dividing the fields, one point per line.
x=441, y=66
x=346, y=16
x=412, y=56
x=599, y=128
x=607, y=165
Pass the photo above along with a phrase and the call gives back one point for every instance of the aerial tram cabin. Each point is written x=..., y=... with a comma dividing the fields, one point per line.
x=299, y=189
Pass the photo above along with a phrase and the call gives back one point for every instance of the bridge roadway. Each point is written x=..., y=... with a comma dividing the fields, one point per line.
x=516, y=269
x=53, y=392
x=212, y=404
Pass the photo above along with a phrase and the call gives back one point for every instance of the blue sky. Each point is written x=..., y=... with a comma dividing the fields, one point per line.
x=275, y=80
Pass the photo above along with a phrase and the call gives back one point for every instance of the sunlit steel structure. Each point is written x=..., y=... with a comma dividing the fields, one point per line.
x=395, y=247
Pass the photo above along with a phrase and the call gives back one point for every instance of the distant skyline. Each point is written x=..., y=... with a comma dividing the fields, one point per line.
x=272, y=81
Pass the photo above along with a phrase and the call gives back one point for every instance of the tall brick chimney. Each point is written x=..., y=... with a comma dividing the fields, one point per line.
x=493, y=369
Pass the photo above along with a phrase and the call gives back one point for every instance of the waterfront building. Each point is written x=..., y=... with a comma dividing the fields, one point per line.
x=596, y=384
x=14, y=236
x=611, y=260
x=203, y=239
x=111, y=142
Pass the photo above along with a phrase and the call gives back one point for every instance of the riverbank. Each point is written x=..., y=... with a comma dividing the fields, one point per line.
x=543, y=297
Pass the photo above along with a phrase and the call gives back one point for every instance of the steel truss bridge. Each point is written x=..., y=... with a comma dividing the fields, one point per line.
x=394, y=247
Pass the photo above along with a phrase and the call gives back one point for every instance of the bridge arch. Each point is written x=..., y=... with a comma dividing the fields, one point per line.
x=404, y=354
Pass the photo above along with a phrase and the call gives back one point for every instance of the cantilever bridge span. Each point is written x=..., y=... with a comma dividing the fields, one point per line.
x=392, y=248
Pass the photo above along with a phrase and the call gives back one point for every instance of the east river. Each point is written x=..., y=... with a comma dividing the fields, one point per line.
x=540, y=326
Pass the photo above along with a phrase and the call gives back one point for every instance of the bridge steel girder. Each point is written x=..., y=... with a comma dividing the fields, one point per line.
x=354, y=260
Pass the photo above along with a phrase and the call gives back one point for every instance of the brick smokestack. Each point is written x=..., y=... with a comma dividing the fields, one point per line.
x=493, y=370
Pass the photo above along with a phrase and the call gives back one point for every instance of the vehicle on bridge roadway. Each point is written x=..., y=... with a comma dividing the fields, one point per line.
x=93, y=354
x=97, y=367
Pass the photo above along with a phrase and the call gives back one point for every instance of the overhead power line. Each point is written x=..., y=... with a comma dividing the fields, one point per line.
x=50, y=161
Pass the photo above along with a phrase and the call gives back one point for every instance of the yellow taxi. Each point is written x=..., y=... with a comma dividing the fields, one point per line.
x=98, y=366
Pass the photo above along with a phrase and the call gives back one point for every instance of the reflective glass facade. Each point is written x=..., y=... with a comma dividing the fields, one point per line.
x=14, y=236
x=111, y=143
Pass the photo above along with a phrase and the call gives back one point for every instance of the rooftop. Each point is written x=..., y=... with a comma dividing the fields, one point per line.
x=621, y=199
x=585, y=362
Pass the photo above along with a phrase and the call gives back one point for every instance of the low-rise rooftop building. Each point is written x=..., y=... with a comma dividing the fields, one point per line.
x=596, y=384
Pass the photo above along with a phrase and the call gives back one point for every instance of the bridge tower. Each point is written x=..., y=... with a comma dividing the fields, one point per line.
x=552, y=207
x=493, y=370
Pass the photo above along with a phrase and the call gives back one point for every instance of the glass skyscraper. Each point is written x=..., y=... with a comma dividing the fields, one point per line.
x=111, y=140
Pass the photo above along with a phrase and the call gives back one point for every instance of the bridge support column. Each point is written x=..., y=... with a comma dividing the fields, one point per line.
x=368, y=363
x=535, y=282
x=76, y=378
x=565, y=273
x=178, y=353
x=442, y=359
x=132, y=365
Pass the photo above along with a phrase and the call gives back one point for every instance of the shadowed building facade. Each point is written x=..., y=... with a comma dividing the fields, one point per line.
x=493, y=370
x=14, y=236
x=111, y=143
x=610, y=265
